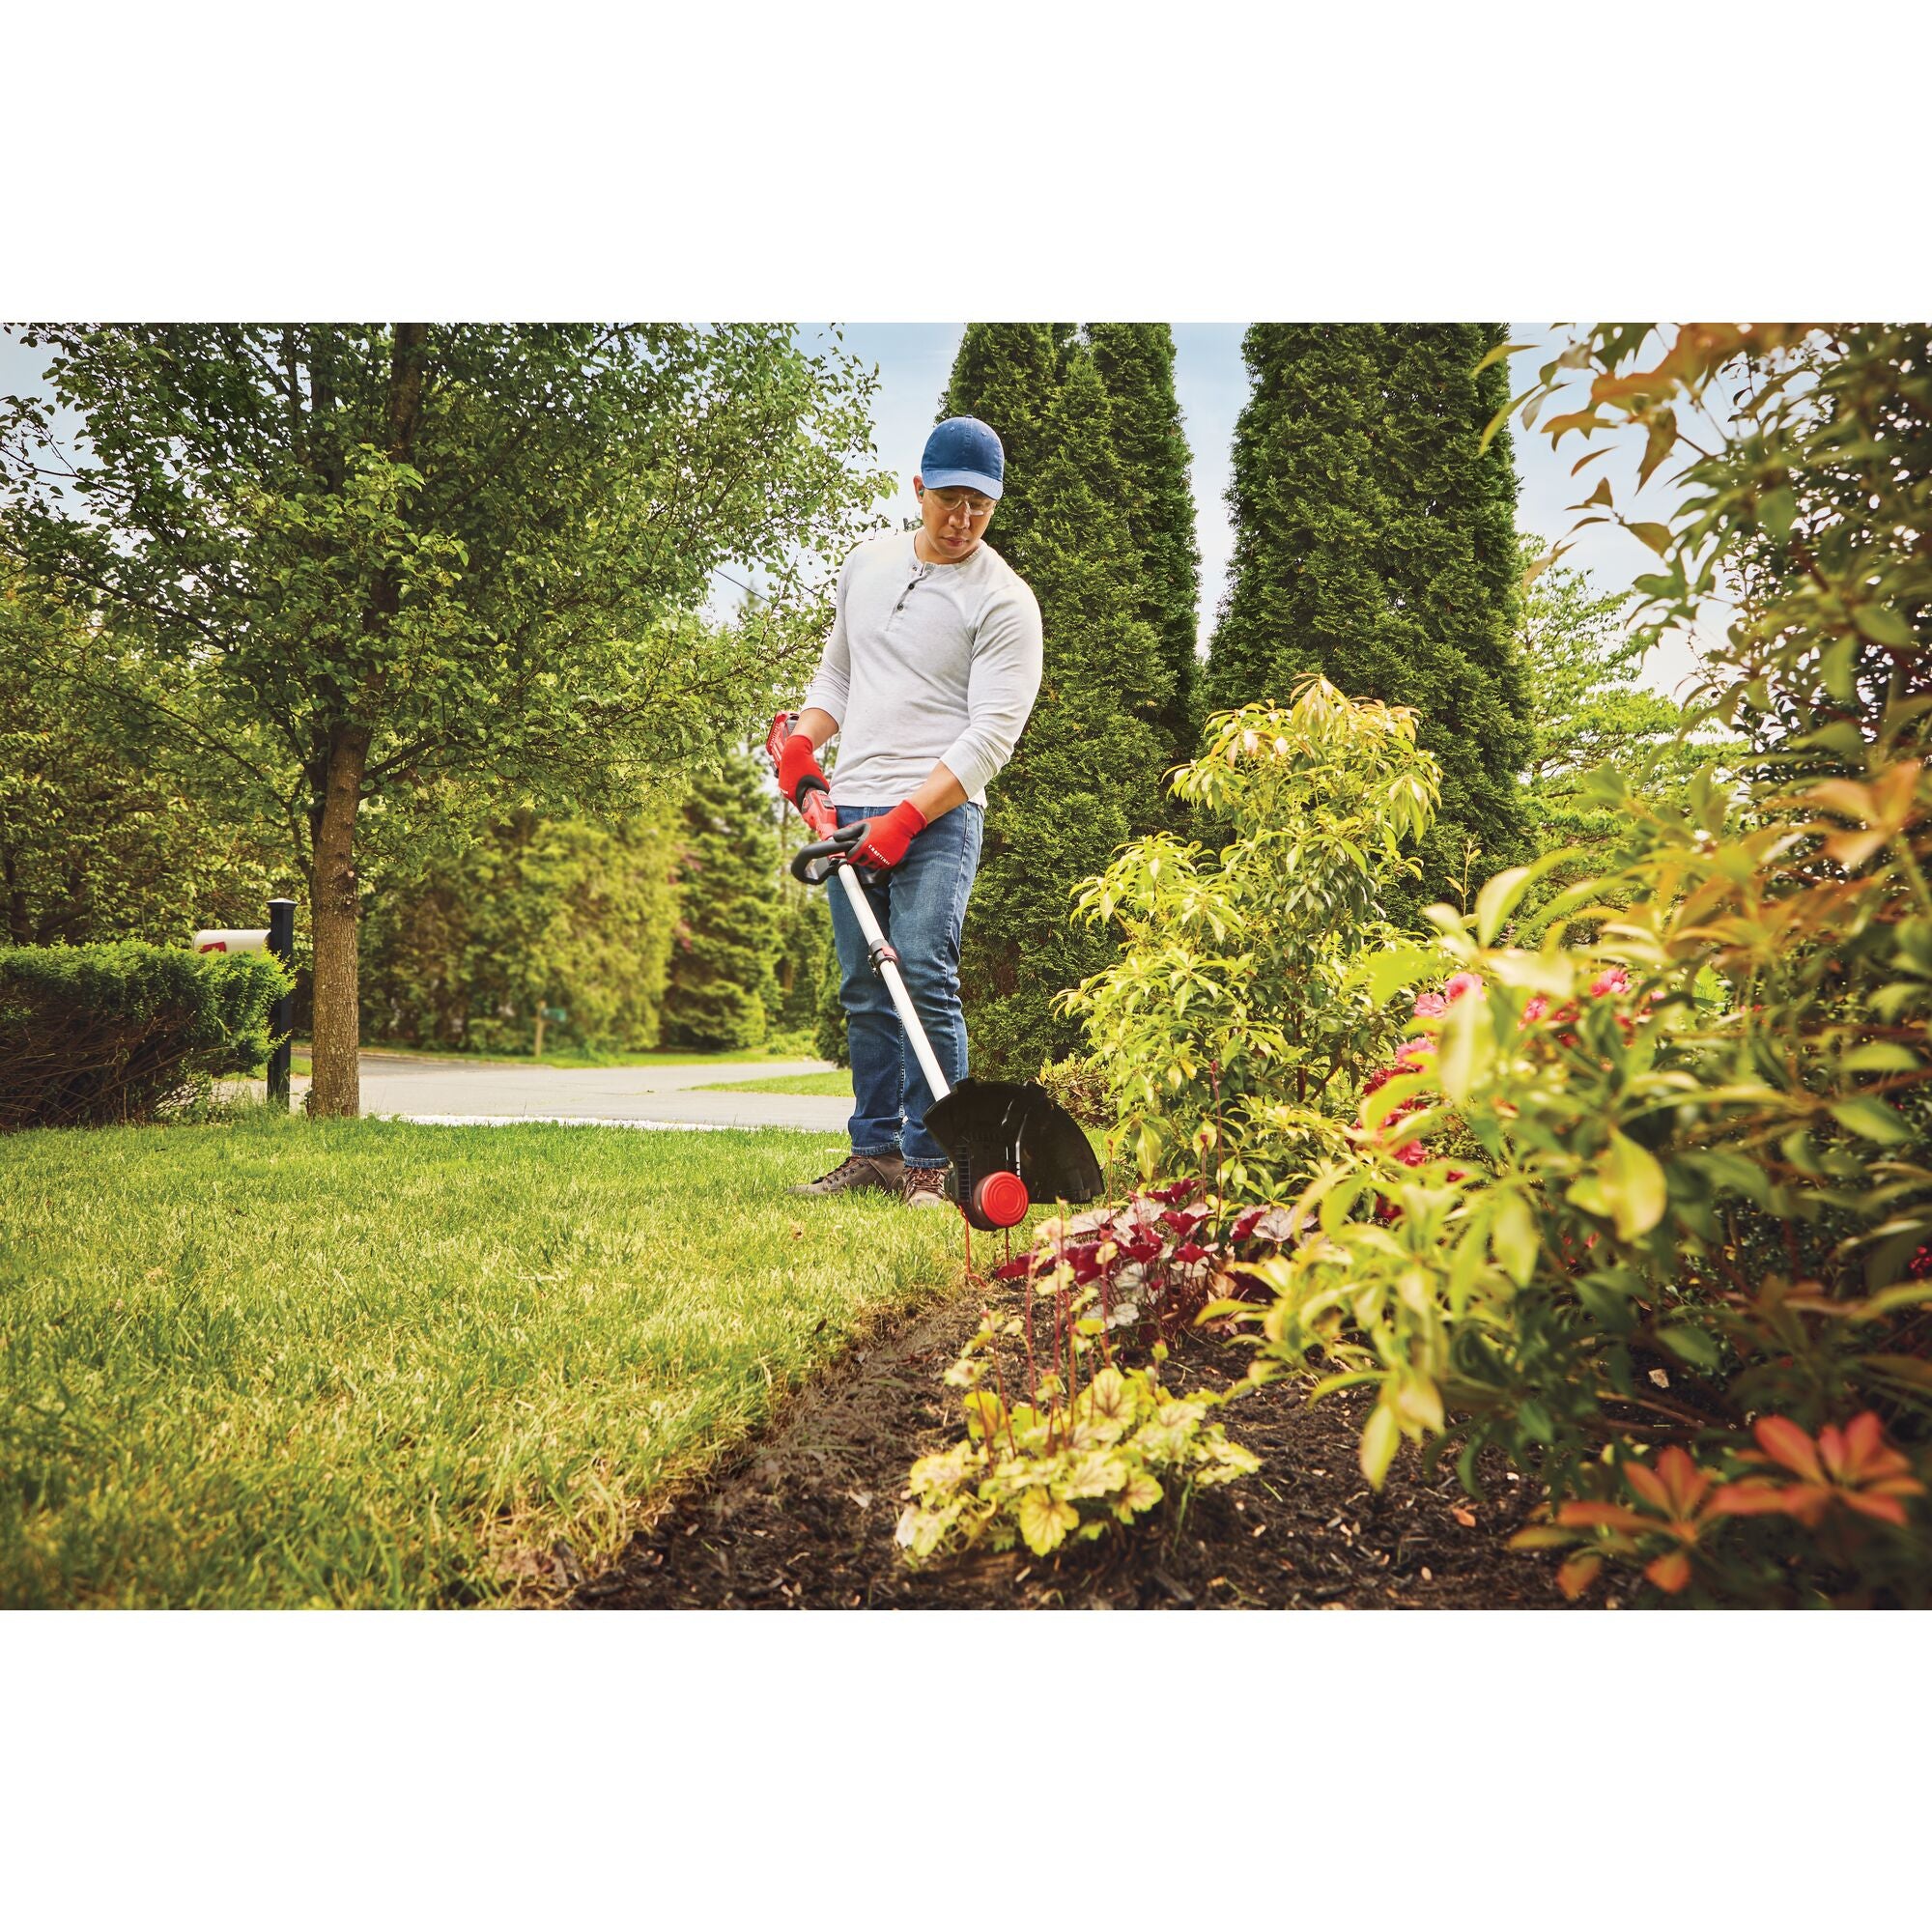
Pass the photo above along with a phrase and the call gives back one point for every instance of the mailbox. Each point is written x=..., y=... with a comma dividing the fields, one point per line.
x=278, y=937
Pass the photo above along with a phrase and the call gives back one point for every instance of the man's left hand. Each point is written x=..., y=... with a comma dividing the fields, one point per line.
x=886, y=838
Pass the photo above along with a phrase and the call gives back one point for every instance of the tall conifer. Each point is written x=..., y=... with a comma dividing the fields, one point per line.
x=1135, y=361
x=1085, y=776
x=1375, y=542
x=723, y=983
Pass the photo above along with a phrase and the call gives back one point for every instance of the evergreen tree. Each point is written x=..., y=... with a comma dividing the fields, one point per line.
x=1007, y=373
x=1135, y=361
x=1085, y=776
x=1376, y=543
x=802, y=924
x=723, y=986
x=828, y=1028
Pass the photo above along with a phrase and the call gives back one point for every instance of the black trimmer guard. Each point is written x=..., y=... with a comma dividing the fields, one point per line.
x=994, y=1127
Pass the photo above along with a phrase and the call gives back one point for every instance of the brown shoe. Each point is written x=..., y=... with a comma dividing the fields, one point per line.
x=858, y=1172
x=925, y=1187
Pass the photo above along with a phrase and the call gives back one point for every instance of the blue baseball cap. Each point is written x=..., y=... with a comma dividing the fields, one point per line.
x=963, y=454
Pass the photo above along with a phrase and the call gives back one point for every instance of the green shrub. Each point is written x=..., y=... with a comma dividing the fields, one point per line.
x=1237, y=1012
x=1079, y=1086
x=1678, y=1264
x=91, y=1034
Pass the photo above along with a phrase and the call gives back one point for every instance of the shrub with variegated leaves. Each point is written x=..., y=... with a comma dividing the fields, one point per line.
x=1236, y=1026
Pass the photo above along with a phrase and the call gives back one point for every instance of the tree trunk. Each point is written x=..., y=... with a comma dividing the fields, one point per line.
x=335, y=919
x=334, y=895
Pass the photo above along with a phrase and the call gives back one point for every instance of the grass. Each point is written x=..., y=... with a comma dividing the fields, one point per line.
x=838, y=1082
x=279, y=1362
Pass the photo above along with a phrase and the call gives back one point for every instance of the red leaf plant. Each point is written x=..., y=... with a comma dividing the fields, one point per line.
x=1852, y=1468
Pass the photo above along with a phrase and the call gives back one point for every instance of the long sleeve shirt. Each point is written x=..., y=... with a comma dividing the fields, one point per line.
x=928, y=663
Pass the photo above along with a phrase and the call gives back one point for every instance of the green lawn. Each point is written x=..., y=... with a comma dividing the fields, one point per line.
x=838, y=1082
x=290, y=1363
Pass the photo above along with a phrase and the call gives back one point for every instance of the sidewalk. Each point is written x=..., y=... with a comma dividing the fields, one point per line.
x=639, y=1096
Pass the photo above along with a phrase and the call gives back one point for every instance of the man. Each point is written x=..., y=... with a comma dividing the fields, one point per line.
x=928, y=677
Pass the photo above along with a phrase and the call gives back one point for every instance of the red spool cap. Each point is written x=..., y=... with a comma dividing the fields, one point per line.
x=1001, y=1200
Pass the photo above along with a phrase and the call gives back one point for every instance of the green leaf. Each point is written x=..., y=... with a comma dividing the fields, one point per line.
x=1632, y=1185
x=1871, y=1119
x=1465, y=1047
x=1883, y=625
x=1514, y=1239
x=1379, y=1440
x=1605, y=1305
x=1690, y=1345
x=1397, y=967
x=1880, y=1057
x=1778, y=511
x=1497, y=900
x=1348, y=1379
x=1733, y=1173
x=1838, y=668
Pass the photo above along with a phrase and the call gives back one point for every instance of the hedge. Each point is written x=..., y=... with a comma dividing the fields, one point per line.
x=92, y=1034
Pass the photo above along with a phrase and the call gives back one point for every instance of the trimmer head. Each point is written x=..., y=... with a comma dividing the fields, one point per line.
x=994, y=1130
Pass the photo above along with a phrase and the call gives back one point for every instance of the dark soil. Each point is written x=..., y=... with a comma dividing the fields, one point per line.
x=803, y=1518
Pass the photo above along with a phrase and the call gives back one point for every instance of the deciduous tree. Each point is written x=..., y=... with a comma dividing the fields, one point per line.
x=411, y=552
x=110, y=828
x=535, y=927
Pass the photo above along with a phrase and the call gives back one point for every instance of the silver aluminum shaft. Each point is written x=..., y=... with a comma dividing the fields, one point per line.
x=875, y=939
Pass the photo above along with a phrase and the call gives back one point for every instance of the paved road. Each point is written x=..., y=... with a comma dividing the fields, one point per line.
x=449, y=1090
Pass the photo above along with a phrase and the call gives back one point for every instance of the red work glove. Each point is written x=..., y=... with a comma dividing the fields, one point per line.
x=797, y=762
x=886, y=838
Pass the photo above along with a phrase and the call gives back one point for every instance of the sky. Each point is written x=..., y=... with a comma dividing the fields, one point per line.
x=915, y=359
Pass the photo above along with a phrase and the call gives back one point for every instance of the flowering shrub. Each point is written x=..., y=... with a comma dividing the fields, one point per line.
x=1236, y=1025
x=1641, y=1203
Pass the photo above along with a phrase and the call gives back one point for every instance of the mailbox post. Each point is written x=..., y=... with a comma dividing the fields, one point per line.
x=282, y=944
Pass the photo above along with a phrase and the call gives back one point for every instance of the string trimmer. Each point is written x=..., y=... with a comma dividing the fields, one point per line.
x=1010, y=1142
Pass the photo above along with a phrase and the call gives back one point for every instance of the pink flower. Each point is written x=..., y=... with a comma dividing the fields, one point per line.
x=1410, y=1048
x=1463, y=982
x=1612, y=980
x=1535, y=1008
x=1430, y=1005
x=1412, y=1155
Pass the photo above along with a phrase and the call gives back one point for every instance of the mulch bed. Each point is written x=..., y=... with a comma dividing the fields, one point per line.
x=803, y=1516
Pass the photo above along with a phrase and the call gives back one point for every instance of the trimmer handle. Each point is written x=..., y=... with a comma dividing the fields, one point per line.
x=835, y=850
x=815, y=799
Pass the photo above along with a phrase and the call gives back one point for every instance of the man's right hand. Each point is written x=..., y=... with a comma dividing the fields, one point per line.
x=797, y=762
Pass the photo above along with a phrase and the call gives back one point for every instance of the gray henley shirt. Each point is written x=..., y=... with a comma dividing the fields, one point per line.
x=928, y=663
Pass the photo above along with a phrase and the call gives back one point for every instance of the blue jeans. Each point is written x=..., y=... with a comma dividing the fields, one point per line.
x=921, y=906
